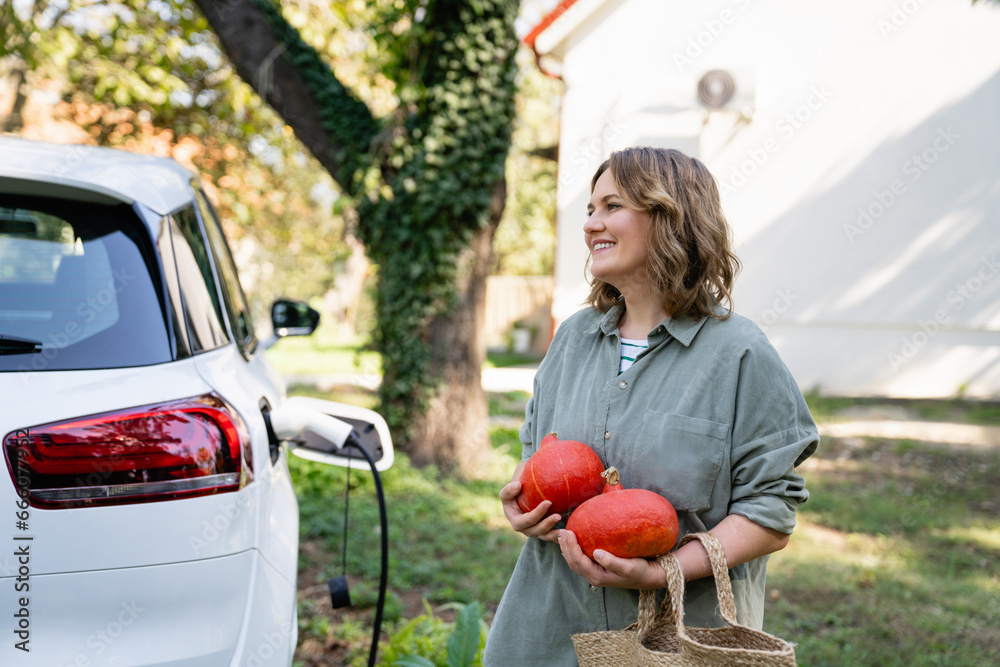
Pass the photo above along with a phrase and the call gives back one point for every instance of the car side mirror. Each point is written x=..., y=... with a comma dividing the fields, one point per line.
x=291, y=318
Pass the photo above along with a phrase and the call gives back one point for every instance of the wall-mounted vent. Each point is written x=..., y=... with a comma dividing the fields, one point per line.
x=726, y=89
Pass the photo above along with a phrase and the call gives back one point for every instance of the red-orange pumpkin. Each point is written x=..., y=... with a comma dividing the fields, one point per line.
x=628, y=523
x=566, y=472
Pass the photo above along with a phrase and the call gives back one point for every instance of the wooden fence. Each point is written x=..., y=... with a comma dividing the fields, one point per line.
x=523, y=299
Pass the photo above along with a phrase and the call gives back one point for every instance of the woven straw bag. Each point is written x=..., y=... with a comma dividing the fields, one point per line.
x=660, y=638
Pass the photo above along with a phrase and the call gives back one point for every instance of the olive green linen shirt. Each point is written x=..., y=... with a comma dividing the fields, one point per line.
x=708, y=416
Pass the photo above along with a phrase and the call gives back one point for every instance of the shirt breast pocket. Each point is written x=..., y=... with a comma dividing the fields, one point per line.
x=678, y=457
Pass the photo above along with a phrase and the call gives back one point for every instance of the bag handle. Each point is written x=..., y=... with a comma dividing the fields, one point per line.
x=662, y=620
x=671, y=611
x=720, y=570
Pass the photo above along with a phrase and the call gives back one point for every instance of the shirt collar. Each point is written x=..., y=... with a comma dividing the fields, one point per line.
x=682, y=329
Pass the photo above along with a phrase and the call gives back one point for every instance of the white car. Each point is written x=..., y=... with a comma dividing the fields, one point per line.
x=148, y=514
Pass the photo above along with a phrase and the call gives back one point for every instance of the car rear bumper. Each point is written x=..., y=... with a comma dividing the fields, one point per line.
x=191, y=614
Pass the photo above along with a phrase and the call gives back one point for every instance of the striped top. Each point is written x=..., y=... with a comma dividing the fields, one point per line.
x=631, y=349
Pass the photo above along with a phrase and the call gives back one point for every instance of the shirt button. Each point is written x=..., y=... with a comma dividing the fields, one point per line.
x=607, y=435
x=623, y=384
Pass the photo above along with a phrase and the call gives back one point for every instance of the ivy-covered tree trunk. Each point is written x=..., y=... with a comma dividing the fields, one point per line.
x=429, y=184
x=454, y=430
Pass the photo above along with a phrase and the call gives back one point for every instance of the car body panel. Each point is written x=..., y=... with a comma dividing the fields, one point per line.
x=271, y=632
x=162, y=185
x=246, y=382
x=185, y=614
x=194, y=582
x=176, y=526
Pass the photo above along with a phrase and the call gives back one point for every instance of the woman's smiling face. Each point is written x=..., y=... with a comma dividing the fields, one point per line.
x=617, y=237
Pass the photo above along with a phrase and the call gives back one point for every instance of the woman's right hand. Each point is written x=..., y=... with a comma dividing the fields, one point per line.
x=533, y=523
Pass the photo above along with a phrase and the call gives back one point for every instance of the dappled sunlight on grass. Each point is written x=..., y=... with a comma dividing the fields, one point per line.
x=344, y=394
x=895, y=559
x=846, y=556
x=507, y=443
x=878, y=487
x=317, y=355
x=980, y=537
x=478, y=508
x=444, y=536
x=833, y=409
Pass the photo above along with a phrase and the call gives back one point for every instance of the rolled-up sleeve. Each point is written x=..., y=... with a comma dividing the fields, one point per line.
x=527, y=433
x=773, y=433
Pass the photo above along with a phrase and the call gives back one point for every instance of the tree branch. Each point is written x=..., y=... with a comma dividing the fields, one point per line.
x=291, y=77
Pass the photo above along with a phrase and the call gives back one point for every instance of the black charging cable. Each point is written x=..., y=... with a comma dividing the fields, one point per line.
x=337, y=594
x=340, y=595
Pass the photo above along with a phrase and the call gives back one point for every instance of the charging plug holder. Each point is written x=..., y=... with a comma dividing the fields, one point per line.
x=340, y=597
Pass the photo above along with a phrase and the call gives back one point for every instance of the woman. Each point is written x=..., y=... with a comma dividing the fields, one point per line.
x=683, y=396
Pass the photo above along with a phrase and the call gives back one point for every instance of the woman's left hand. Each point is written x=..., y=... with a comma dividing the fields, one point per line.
x=608, y=570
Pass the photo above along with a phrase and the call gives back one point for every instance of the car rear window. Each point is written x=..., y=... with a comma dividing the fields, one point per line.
x=76, y=287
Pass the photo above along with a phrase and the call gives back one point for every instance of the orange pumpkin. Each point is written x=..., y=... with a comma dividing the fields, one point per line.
x=566, y=472
x=628, y=523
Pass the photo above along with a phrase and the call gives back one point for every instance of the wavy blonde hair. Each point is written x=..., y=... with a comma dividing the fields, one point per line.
x=691, y=262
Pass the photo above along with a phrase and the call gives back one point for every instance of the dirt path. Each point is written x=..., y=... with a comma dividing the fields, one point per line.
x=896, y=422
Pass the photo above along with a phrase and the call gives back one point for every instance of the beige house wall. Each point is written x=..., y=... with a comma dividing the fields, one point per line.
x=860, y=169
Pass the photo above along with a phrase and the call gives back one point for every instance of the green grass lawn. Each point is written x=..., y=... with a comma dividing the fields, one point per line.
x=322, y=354
x=896, y=559
x=311, y=355
x=828, y=408
x=449, y=542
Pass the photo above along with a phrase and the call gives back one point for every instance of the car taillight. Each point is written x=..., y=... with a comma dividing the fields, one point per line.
x=179, y=449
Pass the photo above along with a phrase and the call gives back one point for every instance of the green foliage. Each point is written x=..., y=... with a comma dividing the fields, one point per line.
x=149, y=76
x=424, y=176
x=429, y=641
x=345, y=118
x=960, y=410
x=507, y=440
x=324, y=352
x=444, y=541
x=525, y=241
x=443, y=162
x=469, y=637
x=420, y=171
x=896, y=559
x=440, y=536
